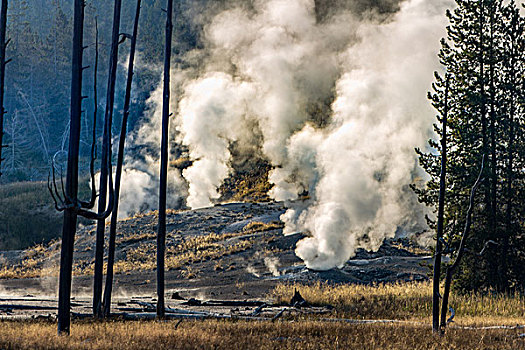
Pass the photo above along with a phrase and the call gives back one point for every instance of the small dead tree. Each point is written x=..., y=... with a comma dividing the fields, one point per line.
x=440, y=218
x=451, y=269
x=118, y=172
x=161, y=235
x=95, y=115
x=105, y=172
x=67, y=201
x=3, y=62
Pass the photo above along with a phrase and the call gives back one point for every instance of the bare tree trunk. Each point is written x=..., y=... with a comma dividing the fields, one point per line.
x=70, y=215
x=91, y=203
x=440, y=219
x=461, y=250
x=120, y=159
x=106, y=154
x=3, y=44
x=161, y=236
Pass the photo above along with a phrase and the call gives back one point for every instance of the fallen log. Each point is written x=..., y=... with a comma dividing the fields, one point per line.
x=152, y=316
x=196, y=302
x=26, y=307
x=258, y=310
x=144, y=304
x=166, y=310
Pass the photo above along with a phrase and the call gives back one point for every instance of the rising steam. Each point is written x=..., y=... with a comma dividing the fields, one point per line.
x=338, y=102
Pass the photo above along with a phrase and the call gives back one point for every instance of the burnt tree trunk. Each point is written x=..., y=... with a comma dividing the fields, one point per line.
x=70, y=215
x=3, y=44
x=161, y=236
x=461, y=250
x=106, y=154
x=93, y=199
x=118, y=172
x=440, y=218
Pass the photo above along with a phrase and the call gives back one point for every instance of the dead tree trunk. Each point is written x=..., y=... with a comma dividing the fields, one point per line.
x=461, y=250
x=120, y=159
x=3, y=44
x=440, y=218
x=161, y=236
x=70, y=215
x=68, y=201
x=105, y=173
x=91, y=203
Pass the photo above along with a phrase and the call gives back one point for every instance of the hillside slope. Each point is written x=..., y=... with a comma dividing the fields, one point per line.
x=235, y=248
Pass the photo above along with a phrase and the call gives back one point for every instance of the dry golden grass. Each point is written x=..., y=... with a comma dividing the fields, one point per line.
x=136, y=237
x=250, y=189
x=191, y=250
x=181, y=163
x=404, y=301
x=257, y=226
x=37, y=262
x=214, y=334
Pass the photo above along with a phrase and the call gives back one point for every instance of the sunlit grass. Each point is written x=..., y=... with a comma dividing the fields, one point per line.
x=191, y=250
x=41, y=261
x=214, y=334
x=403, y=301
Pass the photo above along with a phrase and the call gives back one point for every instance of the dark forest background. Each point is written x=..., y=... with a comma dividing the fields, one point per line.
x=38, y=78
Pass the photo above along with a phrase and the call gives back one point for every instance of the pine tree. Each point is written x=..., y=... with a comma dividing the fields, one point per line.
x=512, y=149
x=483, y=55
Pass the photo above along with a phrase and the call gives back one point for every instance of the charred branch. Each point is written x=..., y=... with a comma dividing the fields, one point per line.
x=63, y=202
x=91, y=203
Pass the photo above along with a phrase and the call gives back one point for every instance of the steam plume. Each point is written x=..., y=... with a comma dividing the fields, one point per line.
x=339, y=101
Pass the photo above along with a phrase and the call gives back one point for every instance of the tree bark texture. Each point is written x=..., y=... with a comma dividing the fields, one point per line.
x=161, y=236
x=461, y=250
x=70, y=216
x=440, y=219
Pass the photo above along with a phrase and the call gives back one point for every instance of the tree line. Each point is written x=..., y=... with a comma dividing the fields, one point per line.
x=480, y=99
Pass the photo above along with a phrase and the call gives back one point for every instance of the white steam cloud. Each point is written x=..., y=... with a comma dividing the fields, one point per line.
x=268, y=70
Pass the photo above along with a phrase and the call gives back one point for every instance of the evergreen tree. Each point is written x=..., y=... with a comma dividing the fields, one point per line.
x=483, y=54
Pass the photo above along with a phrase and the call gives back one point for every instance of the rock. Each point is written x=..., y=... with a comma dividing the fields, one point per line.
x=176, y=296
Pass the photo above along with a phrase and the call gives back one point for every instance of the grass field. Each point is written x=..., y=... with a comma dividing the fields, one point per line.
x=212, y=334
x=406, y=301
x=409, y=304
